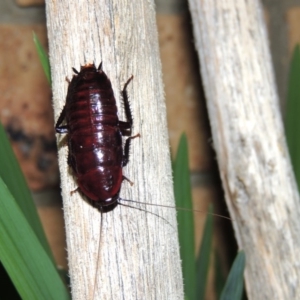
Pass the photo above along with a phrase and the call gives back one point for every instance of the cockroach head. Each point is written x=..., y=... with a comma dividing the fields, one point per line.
x=88, y=66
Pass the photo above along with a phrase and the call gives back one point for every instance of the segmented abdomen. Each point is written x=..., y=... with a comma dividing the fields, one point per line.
x=95, y=141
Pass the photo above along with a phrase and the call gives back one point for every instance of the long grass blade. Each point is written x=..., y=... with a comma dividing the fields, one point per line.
x=203, y=260
x=233, y=289
x=219, y=276
x=43, y=56
x=26, y=261
x=292, y=120
x=182, y=190
x=11, y=174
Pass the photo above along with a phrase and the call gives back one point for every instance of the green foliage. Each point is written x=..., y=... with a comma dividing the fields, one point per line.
x=24, y=251
x=219, y=276
x=234, y=286
x=183, y=197
x=13, y=178
x=195, y=273
x=203, y=260
x=43, y=57
x=292, y=120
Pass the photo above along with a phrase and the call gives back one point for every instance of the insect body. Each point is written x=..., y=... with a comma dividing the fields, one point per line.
x=96, y=153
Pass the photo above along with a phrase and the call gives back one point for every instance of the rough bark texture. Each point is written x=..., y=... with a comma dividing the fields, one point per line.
x=136, y=255
x=249, y=140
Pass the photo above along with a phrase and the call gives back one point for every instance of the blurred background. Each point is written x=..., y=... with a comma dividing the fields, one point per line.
x=27, y=115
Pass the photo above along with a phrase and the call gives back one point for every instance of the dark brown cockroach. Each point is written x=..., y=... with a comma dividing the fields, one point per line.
x=94, y=133
x=96, y=152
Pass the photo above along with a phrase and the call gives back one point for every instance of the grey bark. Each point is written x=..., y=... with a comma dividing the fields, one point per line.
x=248, y=135
x=136, y=255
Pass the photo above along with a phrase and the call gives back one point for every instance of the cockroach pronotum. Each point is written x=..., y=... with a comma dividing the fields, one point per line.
x=96, y=152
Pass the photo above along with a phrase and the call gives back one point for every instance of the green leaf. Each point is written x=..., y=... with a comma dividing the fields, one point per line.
x=233, y=289
x=13, y=178
x=219, y=276
x=26, y=261
x=183, y=197
x=203, y=259
x=43, y=57
x=292, y=120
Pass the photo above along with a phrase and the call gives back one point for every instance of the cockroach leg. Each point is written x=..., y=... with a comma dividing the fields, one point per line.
x=127, y=148
x=126, y=103
x=125, y=178
x=75, y=191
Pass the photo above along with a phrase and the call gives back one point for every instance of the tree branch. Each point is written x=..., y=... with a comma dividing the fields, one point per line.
x=138, y=254
x=248, y=136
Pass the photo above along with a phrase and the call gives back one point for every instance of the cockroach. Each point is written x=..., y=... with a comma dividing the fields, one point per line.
x=94, y=133
x=96, y=152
